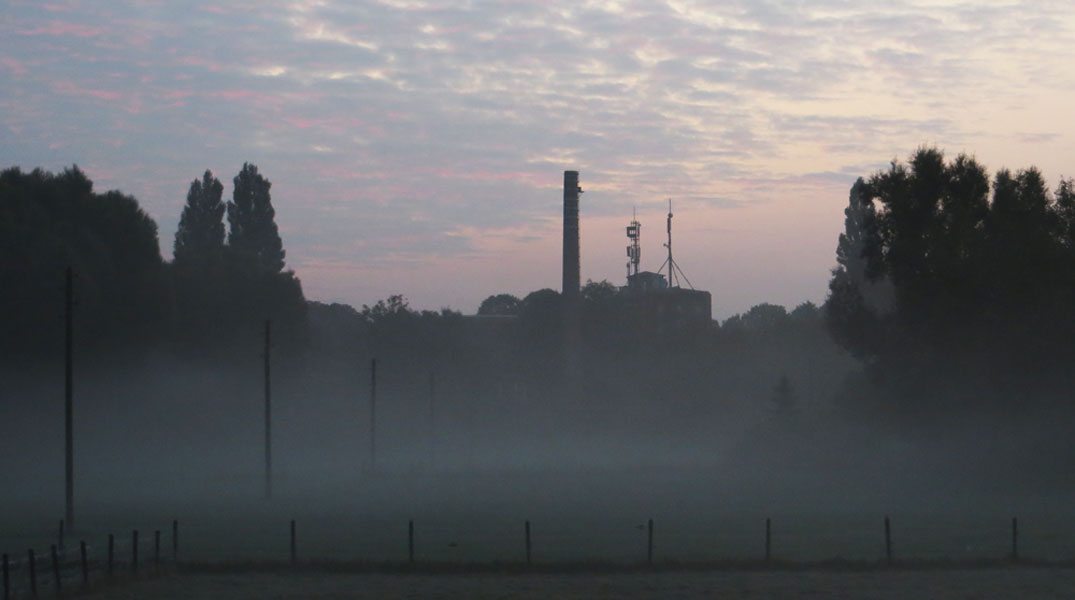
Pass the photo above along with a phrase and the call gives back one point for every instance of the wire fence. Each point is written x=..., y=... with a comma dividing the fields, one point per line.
x=78, y=566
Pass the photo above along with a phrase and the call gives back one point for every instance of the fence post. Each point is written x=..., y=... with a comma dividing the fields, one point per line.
x=768, y=540
x=410, y=541
x=111, y=552
x=175, y=540
x=1015, y=539
x=7, y=579
x=888, y=541
x=134, y=551
x=157, y=550
x=528, y=543
x=649, y=542
x=56, y=569
x=33, y=573
x=293, y=553
x=84, y=562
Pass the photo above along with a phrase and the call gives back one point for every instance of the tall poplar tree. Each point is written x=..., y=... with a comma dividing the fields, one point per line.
x=200, y=237
x=252, y=231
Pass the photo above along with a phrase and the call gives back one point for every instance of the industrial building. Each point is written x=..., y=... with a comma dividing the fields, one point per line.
x=652, y=298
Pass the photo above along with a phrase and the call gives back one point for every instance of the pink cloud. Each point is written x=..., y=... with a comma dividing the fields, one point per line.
x=350, y=173
x=197, y=61
x=57, y=7
x=13, y=65
x=61, y=28
x=177, y=95
x=69, y=88
x=235, y=94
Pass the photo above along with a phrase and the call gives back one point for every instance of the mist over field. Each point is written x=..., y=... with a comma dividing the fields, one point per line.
x=932, y=386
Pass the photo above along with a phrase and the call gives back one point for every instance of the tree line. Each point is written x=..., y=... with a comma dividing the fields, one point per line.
x=956, y=288
x=218, y=286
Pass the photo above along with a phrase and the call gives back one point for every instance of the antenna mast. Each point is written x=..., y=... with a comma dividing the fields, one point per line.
x=634, y=251
x=674, y=272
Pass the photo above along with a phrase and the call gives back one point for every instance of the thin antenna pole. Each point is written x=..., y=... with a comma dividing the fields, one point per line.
x=268, y=412
x=674, y=272
x=69, y=450
x=671, y=263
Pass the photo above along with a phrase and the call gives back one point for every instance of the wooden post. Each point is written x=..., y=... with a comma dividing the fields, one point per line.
x=528, y=543
x=157, y=550
x=768, y=540
x=175, y=540
x=134, y=551
x=7, y=579
x=59, y=537
x=268, y=412
x=33, y=572
x=1015, y=539
x=888, y=541
x=84, y=563
x=294, y=554
x=649, y=542
x=69, y=443
x=111, y=553
x=373, y=415
x=56, y=570
x=410, y=542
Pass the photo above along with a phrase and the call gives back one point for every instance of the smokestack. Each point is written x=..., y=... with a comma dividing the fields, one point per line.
x=571, y=235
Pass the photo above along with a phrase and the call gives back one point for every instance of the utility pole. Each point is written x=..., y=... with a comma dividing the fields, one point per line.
x=268, y=412
x=432, y=419
x=69, y=450
x=373, y=415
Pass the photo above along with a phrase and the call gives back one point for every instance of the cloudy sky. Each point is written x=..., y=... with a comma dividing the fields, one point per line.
x=418, y=146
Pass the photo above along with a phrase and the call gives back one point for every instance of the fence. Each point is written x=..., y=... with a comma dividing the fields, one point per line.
x=517, y=547
x=63, y=567
x=71, y=567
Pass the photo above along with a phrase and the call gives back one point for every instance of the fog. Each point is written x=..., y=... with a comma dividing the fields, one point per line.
x=494, y=431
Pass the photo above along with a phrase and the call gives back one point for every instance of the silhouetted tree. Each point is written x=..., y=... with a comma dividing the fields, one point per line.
x=598, y=292
x=931, y=273
x=49, y=222
x=500, y=304
x=199, y=240
x=252, y=233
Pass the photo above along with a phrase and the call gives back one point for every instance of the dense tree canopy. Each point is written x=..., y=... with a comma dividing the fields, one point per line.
x=49, y=222
x=500, y=304
x=127, y=297
x=933, y=272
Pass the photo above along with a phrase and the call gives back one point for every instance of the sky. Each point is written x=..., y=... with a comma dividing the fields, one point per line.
x=417, y=147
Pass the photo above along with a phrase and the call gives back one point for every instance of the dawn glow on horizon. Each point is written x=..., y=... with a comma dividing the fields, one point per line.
x=418, y=147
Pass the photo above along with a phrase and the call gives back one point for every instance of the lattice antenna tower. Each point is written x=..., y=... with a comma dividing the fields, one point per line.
x=674, y=272
x=634, y=250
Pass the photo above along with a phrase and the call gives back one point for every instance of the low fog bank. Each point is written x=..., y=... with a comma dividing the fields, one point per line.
x=746, y=419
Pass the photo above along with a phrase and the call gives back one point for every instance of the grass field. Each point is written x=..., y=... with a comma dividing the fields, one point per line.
x=589, y=537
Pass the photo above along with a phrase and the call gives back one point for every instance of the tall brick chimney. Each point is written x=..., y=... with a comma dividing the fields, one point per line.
x=571, y=235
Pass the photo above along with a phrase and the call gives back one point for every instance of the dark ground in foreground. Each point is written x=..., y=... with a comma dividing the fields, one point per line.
x=979, y=584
